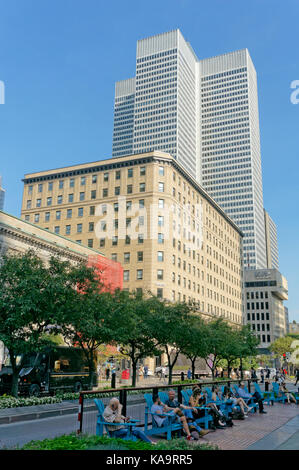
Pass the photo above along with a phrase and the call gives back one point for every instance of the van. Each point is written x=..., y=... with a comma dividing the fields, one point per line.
x=57, y=368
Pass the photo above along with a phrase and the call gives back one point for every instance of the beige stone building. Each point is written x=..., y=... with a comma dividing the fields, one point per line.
x=148, y=213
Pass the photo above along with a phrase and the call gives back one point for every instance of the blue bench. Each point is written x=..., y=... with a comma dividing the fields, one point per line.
x=268, y=397
x=248, y=401
x=277, y=398
x=167, y=428
x=186, y=394
x=102, y=424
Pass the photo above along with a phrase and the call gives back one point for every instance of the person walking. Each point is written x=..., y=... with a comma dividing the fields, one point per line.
x=262, y=376
x=189, y=374
x=297, y=376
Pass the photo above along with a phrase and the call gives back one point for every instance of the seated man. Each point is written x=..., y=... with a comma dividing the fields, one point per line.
x=172, y=403
x=176, y=415
x=256, y=397
x=112, y=414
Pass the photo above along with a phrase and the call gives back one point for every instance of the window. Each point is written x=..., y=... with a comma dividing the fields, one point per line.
x=140, y=238
x=47, y=216
x=114, y=240
x=67, y=229
x=59, y=199
x=72, y=182
x=117, y=190
x=28, y=205
x=128, y=222
x=141, y=203
x=93, y=194
x=117, y=175
x=115, y=207
x=160, y=293
x=91, y=210
x=115, y=223
x=49, y=201
x=141, y=220
x=129, y=189
x=103, y=225
x=102, y=242
x=56, y=229
x=69, y=213
x=83, y=180
x=61, y=184
x=36, y=217
x=161, y=187
x=160, y=274
x=126, y=257
x=30, y=188
x=90, y=243
x=129, y=205
x=126, y=275
x=79, y=228
x=104, y=209
x=139, y=255
x=58, y=215
x=94, y=179
x=27, y=217
x=80, y=211
x=105, y=192
x=160, y=237
x=38, y=202
x=50, y=186
x=71, y=197
x=139, y=274
x=91, y=227
x=128, y=240
x=142, y=187
x=160, y=220
x=114, y=256
x=142, y=171
x=160, y=255
x=106, y=176
x=161, y=204
x=130, y=172
x=82, y=196
x=40, y=188
x=79, y=241
x=161, y=170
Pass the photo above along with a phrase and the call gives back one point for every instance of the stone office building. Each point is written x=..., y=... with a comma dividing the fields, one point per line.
x=146, y=212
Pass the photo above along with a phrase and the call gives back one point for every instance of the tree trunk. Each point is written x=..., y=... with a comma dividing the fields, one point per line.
x=134, y=367
x=193, y=367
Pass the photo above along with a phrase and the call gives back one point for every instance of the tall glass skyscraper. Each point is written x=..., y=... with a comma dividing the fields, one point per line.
x=205, y=114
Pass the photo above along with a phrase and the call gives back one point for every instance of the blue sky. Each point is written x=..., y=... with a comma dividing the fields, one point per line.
x=59, y=60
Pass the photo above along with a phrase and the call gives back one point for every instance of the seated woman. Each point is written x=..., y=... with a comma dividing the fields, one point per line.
x=230, y=396
x=284, y=391
x=198, y=398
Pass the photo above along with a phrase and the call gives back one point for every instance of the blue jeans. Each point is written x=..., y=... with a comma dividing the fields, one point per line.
x=123, y=432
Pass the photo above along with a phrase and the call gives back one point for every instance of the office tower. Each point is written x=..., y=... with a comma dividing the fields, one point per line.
x=165, y=101
x=205, y=114
x=230, y=156
x=123, y=118
x=271, y=242
x=264, y=291
x=146, y=212
x=2, y=195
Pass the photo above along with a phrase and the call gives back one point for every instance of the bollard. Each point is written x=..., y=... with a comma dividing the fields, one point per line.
x=113, y=380
x=182, y=376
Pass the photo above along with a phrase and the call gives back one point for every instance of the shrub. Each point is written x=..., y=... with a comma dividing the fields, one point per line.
x=84, y=442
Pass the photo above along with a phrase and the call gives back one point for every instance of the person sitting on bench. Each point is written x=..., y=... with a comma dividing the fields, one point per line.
x=256, y=397
x=112, y=414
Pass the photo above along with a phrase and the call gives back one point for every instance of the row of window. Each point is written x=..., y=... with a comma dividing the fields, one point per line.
x=258, y=316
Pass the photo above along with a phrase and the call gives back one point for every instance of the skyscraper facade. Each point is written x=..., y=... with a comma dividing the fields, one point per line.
x=2, y=195
x=205, y=114
x=271, y=242
x=230, y=159
x=164, y=96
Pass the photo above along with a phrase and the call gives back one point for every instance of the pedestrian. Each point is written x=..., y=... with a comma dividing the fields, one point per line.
x=262, y=376
x=107, y=372
x=145, y=372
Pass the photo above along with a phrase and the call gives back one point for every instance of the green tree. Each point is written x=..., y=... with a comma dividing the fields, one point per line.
x=217, y=340
x=131, y=329
x=167, y=323
x=32, y=297
x=193, y=340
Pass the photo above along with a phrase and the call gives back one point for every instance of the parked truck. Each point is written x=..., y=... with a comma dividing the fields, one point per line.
x=57, y=368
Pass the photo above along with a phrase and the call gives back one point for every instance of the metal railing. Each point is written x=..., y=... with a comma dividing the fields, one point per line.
x=133, y=401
